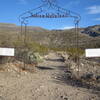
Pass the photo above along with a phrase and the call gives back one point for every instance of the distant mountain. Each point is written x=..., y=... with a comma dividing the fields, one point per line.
x=7, y=25
x=13, y=27
x=93, y=31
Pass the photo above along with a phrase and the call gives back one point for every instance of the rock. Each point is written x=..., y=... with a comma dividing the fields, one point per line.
x=65, y=98
x=18, y=75
x=55, y=77
x=88, y=76
x=25, y=72
x=61, y=96
x=82, y=64
x=1, y=98
x=98, y=78
x=42, y=86
x=37, y=90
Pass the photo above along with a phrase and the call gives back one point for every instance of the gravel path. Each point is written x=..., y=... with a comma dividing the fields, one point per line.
x=43, y=84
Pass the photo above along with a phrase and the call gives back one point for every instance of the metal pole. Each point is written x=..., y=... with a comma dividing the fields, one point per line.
x=25, y=45
x=21, y=29
x=77, y=47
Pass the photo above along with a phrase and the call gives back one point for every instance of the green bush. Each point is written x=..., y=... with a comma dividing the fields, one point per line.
x=36, y=47
x=75, y=53
x=27, y=56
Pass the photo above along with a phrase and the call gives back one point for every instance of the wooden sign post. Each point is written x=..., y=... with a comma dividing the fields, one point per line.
x=91, y=53
x=5, y=53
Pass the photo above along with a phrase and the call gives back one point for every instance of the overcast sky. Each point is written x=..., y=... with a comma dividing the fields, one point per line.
x=88, y=9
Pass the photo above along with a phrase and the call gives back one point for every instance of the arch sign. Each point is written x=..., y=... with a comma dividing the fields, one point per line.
x=49, y=9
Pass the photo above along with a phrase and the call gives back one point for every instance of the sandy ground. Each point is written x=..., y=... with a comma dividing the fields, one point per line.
x=46, y=83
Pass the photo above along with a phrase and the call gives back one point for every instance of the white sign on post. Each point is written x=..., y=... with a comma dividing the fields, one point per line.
x=92, y=52
x=7, y=51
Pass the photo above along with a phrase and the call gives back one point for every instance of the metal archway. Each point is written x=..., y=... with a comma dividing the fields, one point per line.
x=43, y=12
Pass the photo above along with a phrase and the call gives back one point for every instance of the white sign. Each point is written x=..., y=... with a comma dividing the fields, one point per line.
x=6, y=51
x=92, y=52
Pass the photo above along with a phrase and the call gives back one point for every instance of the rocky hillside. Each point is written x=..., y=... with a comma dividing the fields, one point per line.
x=93, y=31
x=52, y=38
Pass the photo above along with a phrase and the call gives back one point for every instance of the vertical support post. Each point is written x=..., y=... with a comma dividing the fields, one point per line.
x=25, y=45
x=25, y=35
x=21, y=32
x=77, y=47
x=21, y=29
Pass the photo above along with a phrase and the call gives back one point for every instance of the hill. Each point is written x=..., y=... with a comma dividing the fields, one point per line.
x=9, y=33
x=93, y=31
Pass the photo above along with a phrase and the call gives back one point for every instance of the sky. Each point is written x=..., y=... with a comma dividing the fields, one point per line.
x=89, y=11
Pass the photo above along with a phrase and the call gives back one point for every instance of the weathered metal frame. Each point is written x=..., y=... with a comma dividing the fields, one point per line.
x=60, y=13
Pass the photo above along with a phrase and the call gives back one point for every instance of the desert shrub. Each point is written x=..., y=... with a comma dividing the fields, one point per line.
x=56, y=49
x=36, y=47
x=75, y=53
x=18, y=44
x=33, y=57
x=27, y=56
x=30, y=45
x=24, y=56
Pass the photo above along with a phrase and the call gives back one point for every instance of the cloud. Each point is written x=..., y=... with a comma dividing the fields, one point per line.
x=66, y=27
x=22, y=1
x=94, y=9
x=97, y=19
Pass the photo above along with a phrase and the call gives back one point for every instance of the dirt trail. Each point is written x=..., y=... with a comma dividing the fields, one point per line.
x=44, y=84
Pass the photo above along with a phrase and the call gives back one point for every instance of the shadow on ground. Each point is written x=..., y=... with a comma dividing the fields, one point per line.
x=45, y=68
x=55, y=60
